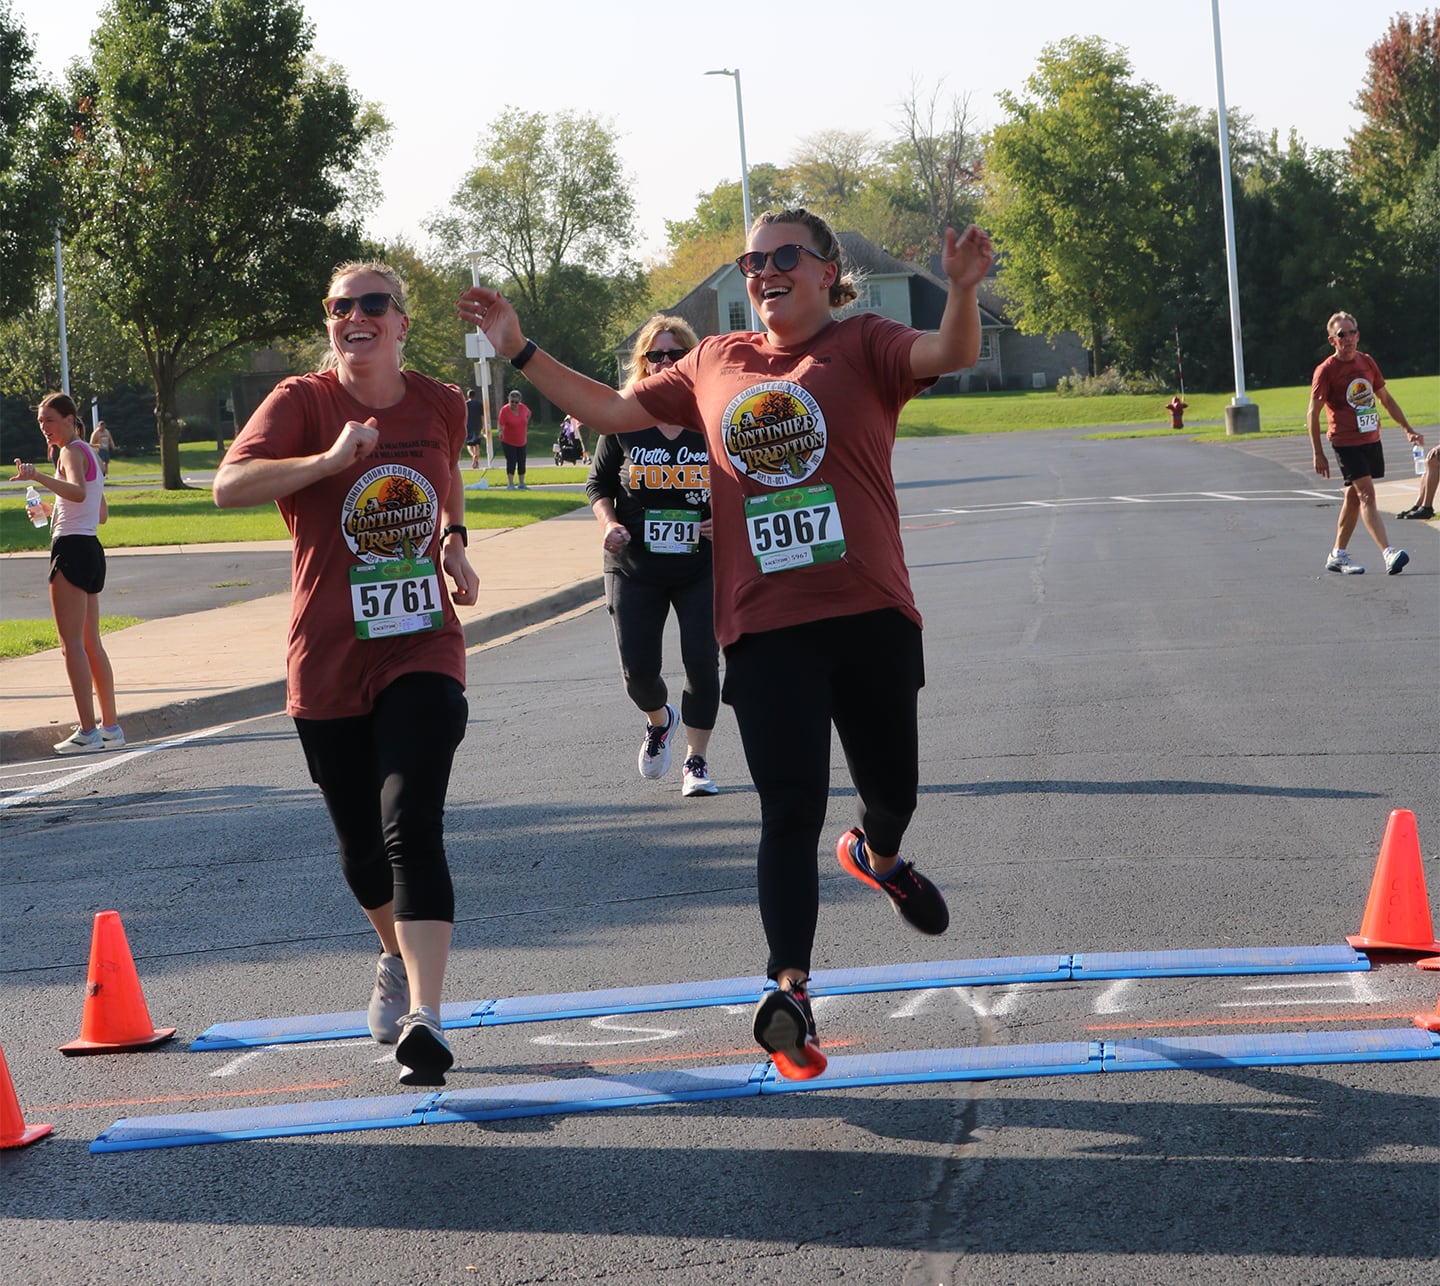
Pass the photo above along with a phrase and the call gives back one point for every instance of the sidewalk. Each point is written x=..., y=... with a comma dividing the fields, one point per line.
x=185, y=672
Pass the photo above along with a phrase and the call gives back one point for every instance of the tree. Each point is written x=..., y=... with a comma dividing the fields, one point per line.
x=1078, y=180
x=30, y=154
x=550, y=213
x=944, y=156
x=208, y=181
x=1400, y=101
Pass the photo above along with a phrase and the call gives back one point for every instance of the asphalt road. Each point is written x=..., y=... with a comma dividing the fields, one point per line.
x=1152, y=721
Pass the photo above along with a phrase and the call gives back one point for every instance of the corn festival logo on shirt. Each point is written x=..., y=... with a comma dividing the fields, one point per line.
x=387, y=507
x=774, y=433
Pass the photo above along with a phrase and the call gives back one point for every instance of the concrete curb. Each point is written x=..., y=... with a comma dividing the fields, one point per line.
x=178, y=717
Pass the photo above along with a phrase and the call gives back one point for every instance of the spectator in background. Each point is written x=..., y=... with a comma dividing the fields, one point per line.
x=514, y=434
x=474, y=425
x=77, y=572
x=1424, y=506
x=104, y=445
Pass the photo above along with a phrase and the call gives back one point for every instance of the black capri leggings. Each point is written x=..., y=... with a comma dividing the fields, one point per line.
x=863, y=673
x=514, y=458
x=638, y=610
x=384, y=776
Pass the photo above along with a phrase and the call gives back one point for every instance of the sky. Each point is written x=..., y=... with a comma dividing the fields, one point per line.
x=442, y=69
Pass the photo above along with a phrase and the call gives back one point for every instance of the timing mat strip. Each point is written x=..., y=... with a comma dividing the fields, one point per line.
x=749, y=1080
x=826, y=982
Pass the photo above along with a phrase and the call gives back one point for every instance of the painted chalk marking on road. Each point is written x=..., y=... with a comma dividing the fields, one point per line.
x=1111, y=1000
x=645, y=1034
x=111, y=759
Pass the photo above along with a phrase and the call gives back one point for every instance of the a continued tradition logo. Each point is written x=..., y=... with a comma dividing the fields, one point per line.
x=1359, y=394
x=774, y=433
x=387, y=506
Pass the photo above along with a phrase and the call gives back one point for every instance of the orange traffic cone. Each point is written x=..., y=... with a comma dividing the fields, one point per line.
x=1430, y=1022
x=1397, y=916
x=115, y=1017
x=14, y=1133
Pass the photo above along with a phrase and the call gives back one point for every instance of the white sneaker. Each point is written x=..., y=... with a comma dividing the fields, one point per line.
x=1340, y=562
x=81, y=743
x=113, y=737
x=655, y=749
x=1395, y=561
x=389, y=1001
x=695, y=778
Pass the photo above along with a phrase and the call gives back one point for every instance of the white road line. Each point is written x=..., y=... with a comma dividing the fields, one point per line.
x=1111, y=1000
x=110, y=759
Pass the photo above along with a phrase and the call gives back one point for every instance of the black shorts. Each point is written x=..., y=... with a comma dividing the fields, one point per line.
x=81, y=560
x=1364, y=461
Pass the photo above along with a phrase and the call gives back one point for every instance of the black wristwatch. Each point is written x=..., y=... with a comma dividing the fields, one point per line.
x=462, y=529
x=524, y=355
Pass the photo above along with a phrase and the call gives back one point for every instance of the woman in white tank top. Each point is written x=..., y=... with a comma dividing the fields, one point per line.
x=77, y=573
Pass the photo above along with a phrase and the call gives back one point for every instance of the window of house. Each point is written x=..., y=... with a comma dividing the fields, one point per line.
x=987, y=347
x=738, y=320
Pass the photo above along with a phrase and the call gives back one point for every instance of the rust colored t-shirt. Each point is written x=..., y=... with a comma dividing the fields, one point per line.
x=1349, y=390
x=514, y=424
x=820, y=413
x=359, y=516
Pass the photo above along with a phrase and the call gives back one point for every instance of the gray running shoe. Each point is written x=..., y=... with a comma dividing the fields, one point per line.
x=84, y=743
x=422, y=1050
x=390, y=1001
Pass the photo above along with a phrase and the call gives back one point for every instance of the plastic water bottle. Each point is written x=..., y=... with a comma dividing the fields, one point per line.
x=33, y=508
x=1419, y=454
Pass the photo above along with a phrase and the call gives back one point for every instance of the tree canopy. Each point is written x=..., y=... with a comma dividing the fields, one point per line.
x=30, y=152
x=548, y=212
x=207, y=184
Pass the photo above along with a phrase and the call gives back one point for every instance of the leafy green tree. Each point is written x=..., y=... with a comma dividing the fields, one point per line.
x=550, y=214
x=30, y=153
x=1400, y=103
x=1078, y=179
x=208, y=181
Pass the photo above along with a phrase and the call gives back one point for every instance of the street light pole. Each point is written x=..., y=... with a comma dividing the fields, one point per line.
x=1242, y=415
x=744, y=166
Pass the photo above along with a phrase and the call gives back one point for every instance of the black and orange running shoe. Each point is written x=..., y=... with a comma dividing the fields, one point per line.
x=915, y=899
x=785, y=1027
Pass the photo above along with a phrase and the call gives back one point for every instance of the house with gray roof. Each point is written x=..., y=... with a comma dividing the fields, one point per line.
x=909, y=294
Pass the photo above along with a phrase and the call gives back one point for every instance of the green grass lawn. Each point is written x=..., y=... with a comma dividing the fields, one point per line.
x=20, y=638
x=143, y=514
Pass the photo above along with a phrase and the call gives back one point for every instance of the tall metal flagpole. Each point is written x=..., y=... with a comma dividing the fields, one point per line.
x=60, y=304
x=1242, y=415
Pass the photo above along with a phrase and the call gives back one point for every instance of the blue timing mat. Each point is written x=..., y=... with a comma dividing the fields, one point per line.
x=746, y=1080
x=833, y=982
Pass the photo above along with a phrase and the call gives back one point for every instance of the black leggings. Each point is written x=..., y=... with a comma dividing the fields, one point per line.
x=786, y=686
x=638, y=610
x=515, y=459
x=384, y=776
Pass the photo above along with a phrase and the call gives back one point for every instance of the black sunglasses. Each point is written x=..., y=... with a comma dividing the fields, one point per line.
x=1345, y=334
x=374, y=303
x=657, y=355
x=752, y=262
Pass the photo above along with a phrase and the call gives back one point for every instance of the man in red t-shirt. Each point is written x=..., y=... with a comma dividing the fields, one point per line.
x=1347, y=384
x=514, y=420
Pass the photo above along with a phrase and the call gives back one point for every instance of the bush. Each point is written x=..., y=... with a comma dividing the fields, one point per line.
x=1108, y=383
